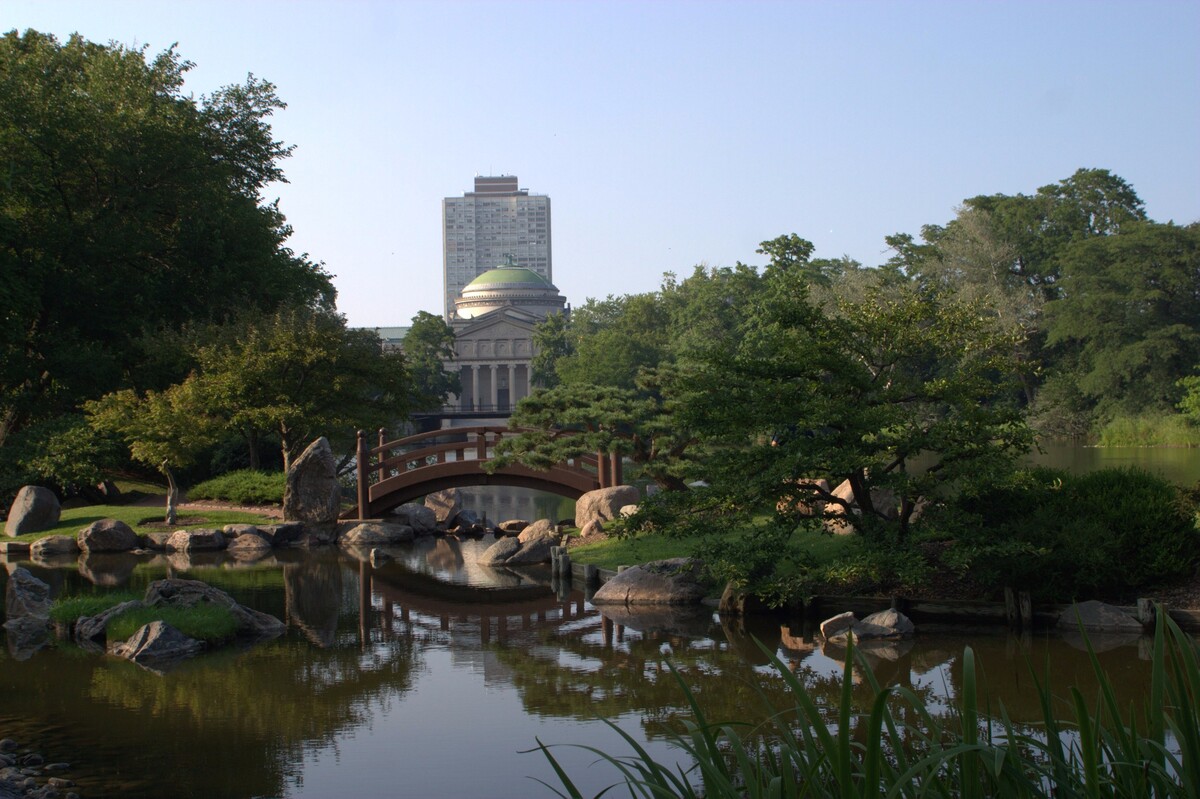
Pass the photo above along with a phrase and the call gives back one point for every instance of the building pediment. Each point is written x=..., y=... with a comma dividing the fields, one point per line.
x=506, y=323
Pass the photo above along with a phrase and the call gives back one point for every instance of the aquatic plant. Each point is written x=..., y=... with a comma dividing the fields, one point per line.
x=1083, y=746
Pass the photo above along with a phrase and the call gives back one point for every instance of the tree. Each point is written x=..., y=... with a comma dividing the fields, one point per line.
x=119, y=191
x=165, y=430
x=577, y=419
x=1129, y=316
x=855, y=393
x=551, y=343
x=612, y=339
x=428, y=346
x=298, y=373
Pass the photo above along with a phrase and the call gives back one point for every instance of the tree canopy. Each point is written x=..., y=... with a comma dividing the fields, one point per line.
x=127, y=205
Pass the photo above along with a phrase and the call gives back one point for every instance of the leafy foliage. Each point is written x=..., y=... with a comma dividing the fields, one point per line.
x=243, y=487
x=427, y=346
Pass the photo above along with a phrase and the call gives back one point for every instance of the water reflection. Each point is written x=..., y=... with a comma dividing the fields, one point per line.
x=391, y=675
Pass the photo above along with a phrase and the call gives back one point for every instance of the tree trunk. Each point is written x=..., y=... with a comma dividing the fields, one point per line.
x=172, y=494
x=252, y=446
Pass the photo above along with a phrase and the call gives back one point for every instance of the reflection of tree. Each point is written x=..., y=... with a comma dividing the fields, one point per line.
x=233, y=723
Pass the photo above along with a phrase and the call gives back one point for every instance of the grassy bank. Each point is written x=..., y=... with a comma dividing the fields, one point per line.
x=141, y=518
x=1154, y=430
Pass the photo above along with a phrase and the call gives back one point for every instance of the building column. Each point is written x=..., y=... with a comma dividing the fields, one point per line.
x=508, y=380
x=474, y=387
x=495, y=384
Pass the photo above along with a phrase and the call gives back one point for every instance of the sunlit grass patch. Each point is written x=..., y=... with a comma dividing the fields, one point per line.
x=205, y=622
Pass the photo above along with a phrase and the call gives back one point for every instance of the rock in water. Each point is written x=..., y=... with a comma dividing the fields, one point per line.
x=189, y=593
x=420, y=518
x=26, y=597
x=1095, y=615
x=53, y=545
x=34, y=509
x=660, y=582
x=313, y=494
x=157, y=644
x=372, y=534
x=445, y=505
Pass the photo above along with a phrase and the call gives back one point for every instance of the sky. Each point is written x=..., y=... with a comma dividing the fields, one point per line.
x=672, y=134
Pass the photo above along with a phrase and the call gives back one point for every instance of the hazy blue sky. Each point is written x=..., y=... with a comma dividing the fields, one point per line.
x=675, y=133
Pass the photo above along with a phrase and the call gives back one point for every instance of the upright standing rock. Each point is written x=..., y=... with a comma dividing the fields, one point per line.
x=313, y=494
x=445, y=506
x=34, y=509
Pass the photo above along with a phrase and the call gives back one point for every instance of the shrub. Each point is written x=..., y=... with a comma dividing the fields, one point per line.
x=243, y=487
x=1105, y=533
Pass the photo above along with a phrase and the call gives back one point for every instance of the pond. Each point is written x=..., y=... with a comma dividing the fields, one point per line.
x=1180, y=465
x=432, y=676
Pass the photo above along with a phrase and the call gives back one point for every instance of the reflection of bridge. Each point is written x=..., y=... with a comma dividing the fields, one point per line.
x=400, y=471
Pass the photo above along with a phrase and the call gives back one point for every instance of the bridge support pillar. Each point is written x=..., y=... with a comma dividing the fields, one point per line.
x=602, y=465
x=615, y=472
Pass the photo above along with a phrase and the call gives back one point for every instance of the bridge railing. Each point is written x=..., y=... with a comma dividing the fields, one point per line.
x=403, y=455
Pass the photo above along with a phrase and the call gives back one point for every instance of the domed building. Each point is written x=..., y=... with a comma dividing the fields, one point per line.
x=493, y=322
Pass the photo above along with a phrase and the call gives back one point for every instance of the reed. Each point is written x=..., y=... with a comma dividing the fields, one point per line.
x=1083, y=747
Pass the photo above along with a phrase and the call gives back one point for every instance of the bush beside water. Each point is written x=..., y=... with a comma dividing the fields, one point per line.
x=243, y=487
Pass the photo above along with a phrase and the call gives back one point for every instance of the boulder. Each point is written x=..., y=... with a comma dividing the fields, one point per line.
x=604, y=504
x=838, y=624
x=234, y=531
x=26, y=597
x=467, y=519
x=196, y=541
x=661, y=582
x=541, y=527
x=93, y=628
x=1097, y=616
x=886, y=625
x=53, y=545
x=804, y=502
x=512, y=526
x=34, y=509
x=627, y=510
x=533, y=550
x=445, y=505
x=283, y=534
x=249, y=542
x=594, y=527
x=378, y=557
x=373, y=534
x=155, y=541
x=190, y=593
x=157, y=644
x=312, y=493
x=108, y=535
x=499, y=553
x=420, y=518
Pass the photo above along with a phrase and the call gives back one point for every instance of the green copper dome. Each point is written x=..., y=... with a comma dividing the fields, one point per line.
x=510, y=275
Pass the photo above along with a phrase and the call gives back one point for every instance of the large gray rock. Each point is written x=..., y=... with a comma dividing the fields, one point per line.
x=676, y=581
x=107, y=535
x=542, y=527
x=157, y=644
x=420, y=518
x=512, y=526
x=445, y=505
x=51, y=545
x=313, y=493
x=836, y=625
x=535, y=549
x=594, y=527
x=190, y=593
x=94, y=628
x=26, y=597
x=249, y=542
x=604, y=504
x=196, y=541
x=283, y=534
x=34, y=509
x=1095, y=615
x=499, y=553
x=886, y=625
x=373, y=534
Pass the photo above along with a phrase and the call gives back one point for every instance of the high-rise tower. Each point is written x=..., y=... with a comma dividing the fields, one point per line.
x=497, y=224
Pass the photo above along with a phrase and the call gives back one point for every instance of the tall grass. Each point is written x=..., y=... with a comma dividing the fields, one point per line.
x=1152, y=430
x=1084, y=747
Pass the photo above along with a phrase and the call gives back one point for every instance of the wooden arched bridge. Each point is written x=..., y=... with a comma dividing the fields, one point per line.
x=395, y=472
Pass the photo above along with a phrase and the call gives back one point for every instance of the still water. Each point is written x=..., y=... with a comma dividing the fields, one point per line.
x=432, y=676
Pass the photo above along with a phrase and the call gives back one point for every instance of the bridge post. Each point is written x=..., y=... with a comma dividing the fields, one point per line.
x=364, y=496
x=615, y=472
x=382, y=441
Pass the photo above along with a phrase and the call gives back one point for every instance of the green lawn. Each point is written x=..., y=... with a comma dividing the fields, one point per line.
x=75, y=519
